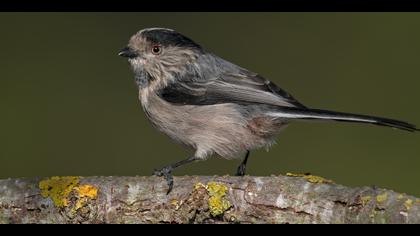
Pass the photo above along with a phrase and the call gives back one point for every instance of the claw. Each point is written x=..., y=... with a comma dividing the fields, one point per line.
x=166, y=173
x=167, y=170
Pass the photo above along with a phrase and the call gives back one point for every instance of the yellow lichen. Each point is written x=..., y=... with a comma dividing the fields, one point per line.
x=400, y=197
x=79, y=204
x=381, y=198
x=175, y=203
x=294, y=175
x=218, y=204
x=408, y=204
x=217, y=201
x=199, y=185
x=311, y=178
x=216, y=189
x=365, y=200
x=87, y=190
x=58, y=189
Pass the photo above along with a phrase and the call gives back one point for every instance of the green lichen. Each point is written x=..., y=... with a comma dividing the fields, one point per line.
x=381, y=198
x=58, y=189
x=311, y=178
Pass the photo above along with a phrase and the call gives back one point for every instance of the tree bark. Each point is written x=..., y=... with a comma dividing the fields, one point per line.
x=200, y=199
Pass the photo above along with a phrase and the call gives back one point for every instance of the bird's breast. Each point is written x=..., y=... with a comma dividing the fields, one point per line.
x=165, y=117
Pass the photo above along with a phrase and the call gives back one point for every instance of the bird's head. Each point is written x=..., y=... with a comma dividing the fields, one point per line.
x=159, y=54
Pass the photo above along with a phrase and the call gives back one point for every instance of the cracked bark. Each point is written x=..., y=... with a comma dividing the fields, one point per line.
x=275, y=199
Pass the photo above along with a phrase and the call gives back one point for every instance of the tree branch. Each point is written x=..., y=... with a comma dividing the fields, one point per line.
x=200, y=199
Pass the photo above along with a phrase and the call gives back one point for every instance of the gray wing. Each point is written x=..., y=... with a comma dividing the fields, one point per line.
x=241, y=88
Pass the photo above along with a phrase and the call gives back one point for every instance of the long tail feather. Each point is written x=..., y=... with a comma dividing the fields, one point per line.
x=299, y=113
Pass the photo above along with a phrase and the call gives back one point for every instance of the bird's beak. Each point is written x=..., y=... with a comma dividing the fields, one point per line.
x=128, y=52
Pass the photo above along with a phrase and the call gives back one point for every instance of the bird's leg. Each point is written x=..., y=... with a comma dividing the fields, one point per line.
x=167, y=171
x=242, y=167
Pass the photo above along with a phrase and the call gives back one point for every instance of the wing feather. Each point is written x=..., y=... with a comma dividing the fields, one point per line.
x=241, y=88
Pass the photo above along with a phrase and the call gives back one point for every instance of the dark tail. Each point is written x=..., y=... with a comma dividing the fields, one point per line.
x=302, y=113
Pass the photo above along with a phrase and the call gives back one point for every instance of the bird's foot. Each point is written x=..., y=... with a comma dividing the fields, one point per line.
x=241, y=170
x=166, y=172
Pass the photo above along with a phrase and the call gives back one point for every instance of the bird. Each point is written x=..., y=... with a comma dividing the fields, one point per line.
x=213, y=106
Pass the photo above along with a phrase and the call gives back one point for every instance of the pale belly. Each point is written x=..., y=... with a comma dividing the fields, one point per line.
x=212, y=129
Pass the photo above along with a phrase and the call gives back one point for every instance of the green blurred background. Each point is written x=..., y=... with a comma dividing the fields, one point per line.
x=69, y=103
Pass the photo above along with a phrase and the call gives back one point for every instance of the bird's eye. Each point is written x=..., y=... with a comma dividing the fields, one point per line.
x=156, y=49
